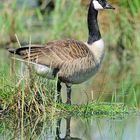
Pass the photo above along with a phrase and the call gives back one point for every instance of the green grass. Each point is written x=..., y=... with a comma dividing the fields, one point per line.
x=29, y=103
x=117, y=82
x=39, y=98
x=36, y=96
x=94, y=108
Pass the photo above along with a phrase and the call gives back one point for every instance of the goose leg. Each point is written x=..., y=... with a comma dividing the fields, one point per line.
x=58, y=129
x=68, y=128
x=68, y=94
x=59, y=99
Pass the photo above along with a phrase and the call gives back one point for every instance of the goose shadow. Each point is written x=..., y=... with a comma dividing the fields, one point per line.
x=68, y=130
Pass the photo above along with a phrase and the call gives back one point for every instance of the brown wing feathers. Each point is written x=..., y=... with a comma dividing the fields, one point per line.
x=53, y=53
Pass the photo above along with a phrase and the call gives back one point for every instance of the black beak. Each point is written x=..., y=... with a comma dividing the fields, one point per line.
x=108, y=6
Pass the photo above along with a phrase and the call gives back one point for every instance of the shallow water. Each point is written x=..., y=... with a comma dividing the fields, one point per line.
x=102, y=129
x=73, y=128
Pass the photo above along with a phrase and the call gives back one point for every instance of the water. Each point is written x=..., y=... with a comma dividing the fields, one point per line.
x=98, y=129
x=73, y=128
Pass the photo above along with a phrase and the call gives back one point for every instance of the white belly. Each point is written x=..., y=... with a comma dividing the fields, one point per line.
x=44, y=71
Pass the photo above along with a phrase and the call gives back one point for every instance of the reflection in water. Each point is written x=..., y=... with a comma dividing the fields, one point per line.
x=71, y=129
x=67, y=136
x=98, y=129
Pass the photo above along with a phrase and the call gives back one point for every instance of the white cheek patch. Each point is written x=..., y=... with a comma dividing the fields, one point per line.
x=97, y=5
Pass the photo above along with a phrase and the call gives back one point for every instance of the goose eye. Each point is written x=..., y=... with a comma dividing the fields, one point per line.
x=102, y=2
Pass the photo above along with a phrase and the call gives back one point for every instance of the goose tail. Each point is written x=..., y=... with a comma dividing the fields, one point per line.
x=11, y=50
x=24, y=50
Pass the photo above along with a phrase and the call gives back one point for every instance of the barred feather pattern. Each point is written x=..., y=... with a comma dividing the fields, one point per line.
x=73, y=59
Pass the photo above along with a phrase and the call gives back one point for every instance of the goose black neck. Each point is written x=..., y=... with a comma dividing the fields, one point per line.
x=94, y=33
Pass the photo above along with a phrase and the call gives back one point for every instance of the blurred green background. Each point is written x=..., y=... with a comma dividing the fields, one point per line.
x=118, y=81
x=47, y=20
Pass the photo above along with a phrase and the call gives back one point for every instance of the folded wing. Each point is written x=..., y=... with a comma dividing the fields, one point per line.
x=53, y=54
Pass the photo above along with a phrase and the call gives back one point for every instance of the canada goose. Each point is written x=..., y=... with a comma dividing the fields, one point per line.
x=72, y=61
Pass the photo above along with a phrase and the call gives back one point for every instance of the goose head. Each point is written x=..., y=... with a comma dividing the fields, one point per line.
x=101, y=4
